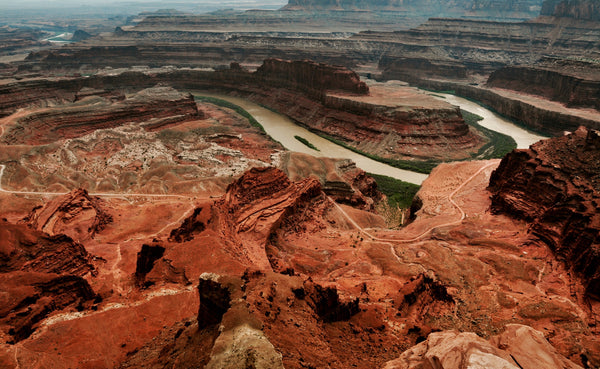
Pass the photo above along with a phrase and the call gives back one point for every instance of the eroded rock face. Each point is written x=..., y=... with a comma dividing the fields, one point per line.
x=215, y=299
x=519, y=346
x=156, y=106
x=41, y=274
x=314, y=78
x=555, y=186
x=34, y=251
x=76, y=214
x=578, y=9
x=255, y=205
x=576, y=84
x=325, y=98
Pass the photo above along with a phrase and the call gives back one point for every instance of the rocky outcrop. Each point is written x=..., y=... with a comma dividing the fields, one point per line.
x=255, y=205
x=310, y=77
x=555, y=186
x=391, y=132
x=156, y=107
x=191, y=226
x=215, y=299
x=76, y=214
x=519, y=346
x=327, y=100
x=80, y=35
x=535, y=117
x=579, y=9
x=576, y=84
x=41, y=274
x=152, y=268
x=326, y=302
x=27, y=250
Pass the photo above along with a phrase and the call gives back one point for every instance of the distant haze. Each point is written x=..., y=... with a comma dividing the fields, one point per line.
x=141, y=4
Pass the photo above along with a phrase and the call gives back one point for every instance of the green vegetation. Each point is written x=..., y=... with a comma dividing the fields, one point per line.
x=399, y=193
x=228, y=105
x=499, y=144
x=306, y=142
x=422, y=166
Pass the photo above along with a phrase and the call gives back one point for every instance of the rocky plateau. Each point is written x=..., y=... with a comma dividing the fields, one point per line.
x=145, y=223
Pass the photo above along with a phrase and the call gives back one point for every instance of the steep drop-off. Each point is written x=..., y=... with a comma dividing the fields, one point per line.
x=41, y=274
x=332, y=100
x=555, y=186
x=578, y=9
x=571, y=82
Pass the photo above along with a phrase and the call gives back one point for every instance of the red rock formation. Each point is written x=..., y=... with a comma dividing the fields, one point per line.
x=576, y=84
x=23, y=249
x=340, y=179
x=152, y=268
x=518, y=346
x=555, y=186
x=254, y=207
x=323, y=98
x=308, y=76
x=156, y=106
x=41, y=274
x=76, y=214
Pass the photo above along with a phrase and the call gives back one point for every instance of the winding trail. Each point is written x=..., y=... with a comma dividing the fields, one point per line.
x=450, y=199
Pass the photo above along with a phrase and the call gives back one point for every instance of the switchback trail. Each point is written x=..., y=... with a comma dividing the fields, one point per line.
x=450, y=199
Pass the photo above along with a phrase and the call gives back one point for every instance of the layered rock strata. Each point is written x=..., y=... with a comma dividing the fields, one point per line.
x=578, y=9
x=155, y=106
x=574, y=83
x=41, y=274
x=310, y=77
x=331, y=100
x=76, y=214
x=535, y=114
x=555, y=185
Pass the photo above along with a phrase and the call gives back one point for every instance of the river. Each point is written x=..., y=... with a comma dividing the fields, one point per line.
x=283, y=129
x=493, y=121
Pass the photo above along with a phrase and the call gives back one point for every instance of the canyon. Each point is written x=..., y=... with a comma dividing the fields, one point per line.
x=490, y=60
x=392, y=123
x=147, y=218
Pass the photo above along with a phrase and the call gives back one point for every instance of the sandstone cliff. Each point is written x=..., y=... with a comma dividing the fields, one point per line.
x=490, y=8
x=555, y=186
x=537, y=118
x=308, y=76
x=331, y=100
x=41, y=274
x=574, y=83
x=519, y=346
x=578, y=9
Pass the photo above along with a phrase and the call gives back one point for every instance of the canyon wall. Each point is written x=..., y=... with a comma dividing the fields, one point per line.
x=576, y=84
x=555, y=185
x=578, y=9
x=538, y=119
x=310, y=77
x=157, y=106
x=323, y=98
x=490, y=8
